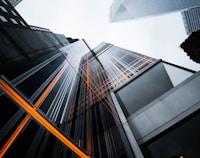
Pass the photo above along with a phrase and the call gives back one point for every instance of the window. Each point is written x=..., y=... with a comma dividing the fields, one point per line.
x=13, y=21
x=22, y=23
x=3, y=9
x=4, y=1
x=13, y=13
x=3, y=19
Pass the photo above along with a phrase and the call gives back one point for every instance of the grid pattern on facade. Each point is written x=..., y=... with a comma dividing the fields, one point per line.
x=122, y=66
x=32, y=103
x=106, y=72
x=44, y=107
x=14, y=2
x=32, y=113
x=9, y=16
x=132, y=9
x=92, y=105
x=191, y=19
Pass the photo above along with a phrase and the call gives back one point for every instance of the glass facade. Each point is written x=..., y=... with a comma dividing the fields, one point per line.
x=191, y=20
x=92, y=106
x=9, y=16
x=65, y=94
x=14, y=2
x=132, y=9
x=60, y=99
x=175, y=142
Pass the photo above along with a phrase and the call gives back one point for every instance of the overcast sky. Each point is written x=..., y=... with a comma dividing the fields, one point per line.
x=158, y=36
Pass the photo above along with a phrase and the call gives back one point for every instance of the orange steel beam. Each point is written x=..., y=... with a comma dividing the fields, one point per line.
x=88, y=83
x=51, y=85
x=70, y=108
x=18, y=99
x=27, y=118
x=118, y=70
x=103, y=94
x=83, y=75
x=95, y=87
x=14, y=135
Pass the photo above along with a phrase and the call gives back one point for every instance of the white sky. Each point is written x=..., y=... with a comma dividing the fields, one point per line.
x=158, y=37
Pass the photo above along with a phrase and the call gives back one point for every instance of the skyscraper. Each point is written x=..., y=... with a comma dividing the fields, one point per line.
x=127, y=9
x=59, y=98
x=191, y=19
x=10, y=17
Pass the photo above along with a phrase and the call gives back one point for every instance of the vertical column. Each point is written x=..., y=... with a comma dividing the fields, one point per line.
x=90, y=100
x=129, y=134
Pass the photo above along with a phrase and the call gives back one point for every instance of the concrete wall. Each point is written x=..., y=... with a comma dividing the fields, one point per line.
x=144, y=89
x=166, y=110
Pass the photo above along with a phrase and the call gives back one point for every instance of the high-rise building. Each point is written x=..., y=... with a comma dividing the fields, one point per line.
x=14, y=2
x=9, y=16
x=133, y=9
x=191, y=19
x=59, y=98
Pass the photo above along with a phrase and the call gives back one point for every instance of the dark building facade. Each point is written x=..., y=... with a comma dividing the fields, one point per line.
x=133, y=9
x=10, y=17
x=191, y=20
x=59, y=98
x=14, y=2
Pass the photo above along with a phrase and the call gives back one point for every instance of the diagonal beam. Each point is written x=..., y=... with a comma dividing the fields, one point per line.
x=14, y=135
x=27, y=107
x=28, y=116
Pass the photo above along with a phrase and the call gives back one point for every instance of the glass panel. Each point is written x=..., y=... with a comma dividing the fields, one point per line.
x=3, y=19
x=13, y=13
x=4, y=1
x=13, y=21
x=180, y=140
x=3, y=9
x=22, y=23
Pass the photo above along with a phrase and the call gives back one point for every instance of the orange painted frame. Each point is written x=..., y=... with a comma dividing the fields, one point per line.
x=31, y=110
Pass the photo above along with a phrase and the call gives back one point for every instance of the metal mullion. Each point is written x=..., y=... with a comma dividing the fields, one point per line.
x=97, y=129
x=65, y=88
x=62, y=96
x=132, y=66
x=43, y=145
x=33, y=70
x=38, y=117
x=106, y=138
x=141, y=56
x=35, y=143
x=131, y=138
x=6, y=128
x=124, y=65
x=54, y=102
x=67, y=102
x=48, y=80
x=143, y=65
x=58, y=97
